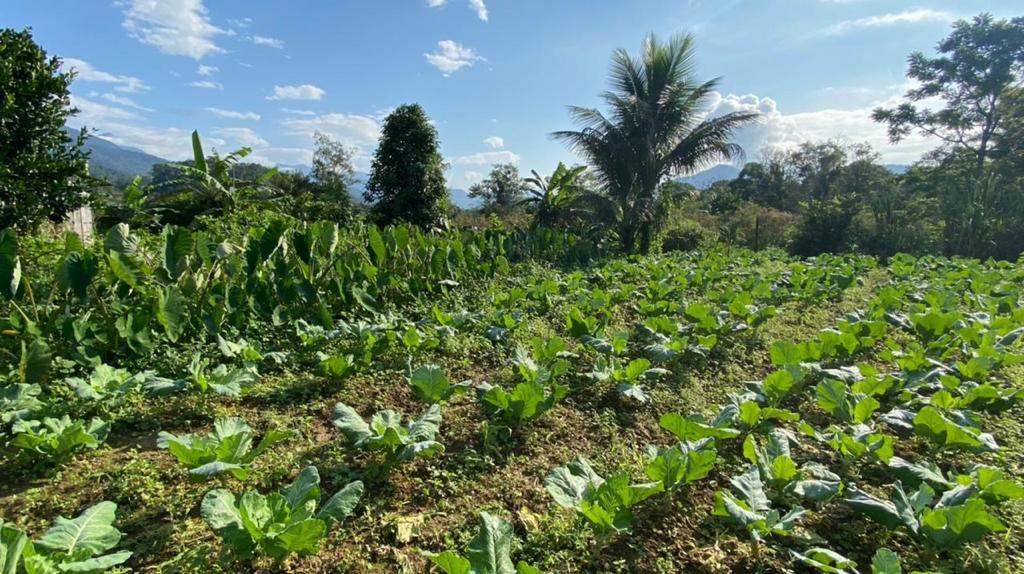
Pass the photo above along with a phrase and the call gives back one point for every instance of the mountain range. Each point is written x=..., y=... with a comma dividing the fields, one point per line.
x=119, y=164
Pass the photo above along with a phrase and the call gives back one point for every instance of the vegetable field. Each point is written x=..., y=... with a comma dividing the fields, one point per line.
x=304, y=399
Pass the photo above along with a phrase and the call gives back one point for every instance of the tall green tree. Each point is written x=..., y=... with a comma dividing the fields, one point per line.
x=653, y=130
x=407, y=176
x=501, y=190
x=44, y=173
x=974, y=73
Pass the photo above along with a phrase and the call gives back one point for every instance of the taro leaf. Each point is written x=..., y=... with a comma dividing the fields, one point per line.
x=785, y=353
x=12, y=544
x=171, y=312
x=825, y=560
x=569, y=484
x=430, y=384
x=87, y=536
x=489, y=551
x=34, y=366
x=18, y=402
x=221, y=512
x=689, y=430
x=681, y=464
x=936, y=427
x=914, y=473
x=339, y=506
x=121, y=241
x=886, y=561
x=970, y=522
x=304, y=488
x=178, y=245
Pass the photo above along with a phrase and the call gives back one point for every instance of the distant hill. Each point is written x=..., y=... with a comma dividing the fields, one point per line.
x=704, y=179
x=107, y=159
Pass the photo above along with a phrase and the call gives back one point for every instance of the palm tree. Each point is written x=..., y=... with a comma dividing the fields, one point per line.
x=656, y=128
x=210, y=182
x=553, y=199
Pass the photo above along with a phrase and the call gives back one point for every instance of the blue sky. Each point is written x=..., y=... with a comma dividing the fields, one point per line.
x=494, y=75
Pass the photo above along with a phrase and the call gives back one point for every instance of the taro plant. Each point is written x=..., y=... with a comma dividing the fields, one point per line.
x=680, y=464
x=227, y=449
x=385, y=433
x=752, y=509
x=959, y=517
x=627, y=378
x=490, y=552
x=281, y=523
x=431, y=385
x=604, y=503
x=58, y=438
x=70, y=545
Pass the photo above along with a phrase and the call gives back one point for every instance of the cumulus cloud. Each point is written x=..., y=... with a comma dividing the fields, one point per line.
x=267, y=41
x=303, y=92
x=477, y=6
x=486, y=158
x=233, y=115
x=451, y=57
x=205, y=70
x=241, y=136
x=206, y=85
x=915, y=16
x=85, y=72
x=175, y=27
x=778, y=130
x=495, y=141
x=358, y=132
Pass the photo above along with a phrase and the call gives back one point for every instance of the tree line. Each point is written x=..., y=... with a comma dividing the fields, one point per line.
x=966, y=197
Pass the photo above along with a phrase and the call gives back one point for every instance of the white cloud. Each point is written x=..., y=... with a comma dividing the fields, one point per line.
x=175, y=27
x=206, y=85
x=240, y=22
x=294, y=112
x=495, y=141
x=477, y=6
x=915, y=16
x=123, y=101
x=233, y=115
x=480, y=8
x=451, y=57
x=241, y=136
x=303, y=92
x=471, y=177
x=95, y=114
x=355, y=131
x=486, y=158
x=786, y=131
x=282, y=156
x=267, y=41
x=205, y=70
x=87, y=73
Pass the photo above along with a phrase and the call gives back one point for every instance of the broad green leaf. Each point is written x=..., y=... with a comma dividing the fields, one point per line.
x=88, y=535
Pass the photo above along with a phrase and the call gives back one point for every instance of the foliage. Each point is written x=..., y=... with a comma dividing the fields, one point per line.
x=489, y=552
x=227, y=449
x=501, y=190
x=385, y=434
x=651, y=133
x=407, y=176
x=45, y=173
x=605, y=504
x=281, y=523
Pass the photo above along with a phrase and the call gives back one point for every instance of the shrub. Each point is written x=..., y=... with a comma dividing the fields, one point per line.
x=687, y=235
